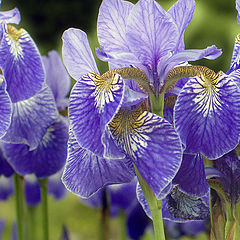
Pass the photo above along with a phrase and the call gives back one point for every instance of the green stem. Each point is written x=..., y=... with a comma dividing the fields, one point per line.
x=123, y=225
x=155, y=207
x=157, y=103
x=211, y=214
x=31, y=212
x=19, y=201
x=44, y=197
x=104, y=217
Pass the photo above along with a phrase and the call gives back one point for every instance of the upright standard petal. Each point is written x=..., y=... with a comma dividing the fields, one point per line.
x=21, y=63
x=151, y=142
x=11, y=16
x=211, y=52
x=111, y=26
x=182, y=12
x=57, y=78
x=77, y=54
x=85, y=173
x=31, y=118
x=151, y=32
x=47, y=159
x=207, y=115
x=191, y=177
x=94, y=102
x=5, y=108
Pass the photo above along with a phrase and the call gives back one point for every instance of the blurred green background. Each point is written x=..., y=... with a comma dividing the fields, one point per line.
x=214, y=22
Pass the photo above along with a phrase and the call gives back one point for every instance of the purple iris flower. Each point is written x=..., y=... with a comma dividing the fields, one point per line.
x=38, y=134
x=147, y=36
x=110, y=126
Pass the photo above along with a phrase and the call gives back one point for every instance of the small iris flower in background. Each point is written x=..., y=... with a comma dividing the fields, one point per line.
x=45, y=152
x=6, y=183
x=122, y=198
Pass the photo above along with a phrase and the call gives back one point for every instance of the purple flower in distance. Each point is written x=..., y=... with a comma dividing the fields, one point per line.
x=123, y=197
x=20, y=59
x=32, y=188
x=57, y=78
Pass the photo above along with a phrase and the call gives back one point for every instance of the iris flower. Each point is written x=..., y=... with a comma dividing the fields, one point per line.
x=110, y=114
x=40, y=133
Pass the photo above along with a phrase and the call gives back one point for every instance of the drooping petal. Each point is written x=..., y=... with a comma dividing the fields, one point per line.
x=151, y=32
x=191, y=177
x=6, y=188
x=47, y=159
x=11, y=16
x=151, y=142
x=77, y=54
x=111, y=26
x=85, y=173
x=182, y=12
x=181, y=205
x=57, y=78
x=5, y=109
x=32, y=191
x=178, y=206
x=21, y=63
x=207, y=115
x=94, y=101
x=31, y=118
x=235, y=62
x=211, y=53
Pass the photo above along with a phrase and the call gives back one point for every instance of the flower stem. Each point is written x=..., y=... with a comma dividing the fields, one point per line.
x=19, y=201
x=31, y=213
x=123, y=225
x=155, y=207
x=44, y=197
x=104, y=217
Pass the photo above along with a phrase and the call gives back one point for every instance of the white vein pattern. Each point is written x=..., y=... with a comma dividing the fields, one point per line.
x=5, y=109
x=112, y=23
x=207, y=117
x=152, y=143
x=31, y=118
x=21, y=64
x=93, y=104
x=85, y=172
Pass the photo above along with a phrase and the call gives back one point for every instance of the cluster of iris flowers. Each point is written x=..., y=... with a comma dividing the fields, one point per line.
x=165, y=131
